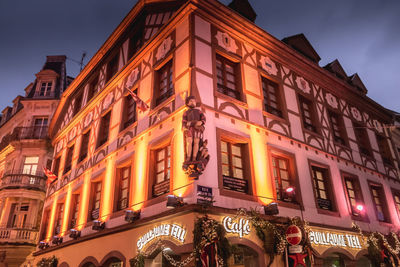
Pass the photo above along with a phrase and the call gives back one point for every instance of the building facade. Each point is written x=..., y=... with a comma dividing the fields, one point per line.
x=279, y=129
x=24, y=149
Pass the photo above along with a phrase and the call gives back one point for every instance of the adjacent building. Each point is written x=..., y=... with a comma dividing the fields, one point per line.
x=275, y=120
x=24, y=150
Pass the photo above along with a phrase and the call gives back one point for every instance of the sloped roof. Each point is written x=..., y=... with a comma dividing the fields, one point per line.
x=244, y=8
x=356, y=81
x=336, y=68
x=300, y=43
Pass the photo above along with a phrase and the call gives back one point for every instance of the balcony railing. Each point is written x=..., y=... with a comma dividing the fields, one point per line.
x=22, y=133
x=19, y=179
x=9, y=235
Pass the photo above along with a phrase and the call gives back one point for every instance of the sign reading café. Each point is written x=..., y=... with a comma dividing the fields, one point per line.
x=328, y=238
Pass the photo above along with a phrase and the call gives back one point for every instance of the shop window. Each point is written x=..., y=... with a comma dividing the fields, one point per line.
x=95, y=201
x=283, y=174
x=227, y=77
x=353, y=194
x=164, y=85
x=322, y=188
x=308, y=114
x=235, y=174
x=58, y=219
x=45, y=89
x=272, y=100
x=243, y=256
x=30, y=165
x=384, y=148
x=112, y=67
x=84, y=146
x=68, y=159
x=123, y=182
x=74, y=210
x=104, y=129
x=378, y=198
x=338, y=128
x=362, y=139
x=129, y=115
x=396, y=196
x=162, y=173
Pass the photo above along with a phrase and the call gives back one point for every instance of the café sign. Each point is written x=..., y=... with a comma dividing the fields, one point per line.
x=335, y=239
x=239, y=226
x=175, y=231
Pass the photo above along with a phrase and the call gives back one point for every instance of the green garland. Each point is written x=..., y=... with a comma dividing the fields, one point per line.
x=137, y=261
x=207, y=230
x=48, y=262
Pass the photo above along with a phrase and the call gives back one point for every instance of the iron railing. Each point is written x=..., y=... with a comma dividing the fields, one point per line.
x=19, y=179
x=22, y=133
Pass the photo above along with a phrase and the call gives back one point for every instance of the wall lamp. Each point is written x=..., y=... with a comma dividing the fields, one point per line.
x=98, y=225
x=43, y=245
x=57, y=240
x=73, y=233
x=174, y=201
x=271, y=209
x=131, y=216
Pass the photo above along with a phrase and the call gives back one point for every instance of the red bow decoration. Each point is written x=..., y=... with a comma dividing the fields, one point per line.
x=209, y=255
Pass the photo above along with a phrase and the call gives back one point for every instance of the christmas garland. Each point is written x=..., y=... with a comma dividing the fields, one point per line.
x=48, y=262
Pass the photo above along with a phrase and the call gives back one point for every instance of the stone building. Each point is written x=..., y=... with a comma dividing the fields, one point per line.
x=280, y=129
x=24, y=150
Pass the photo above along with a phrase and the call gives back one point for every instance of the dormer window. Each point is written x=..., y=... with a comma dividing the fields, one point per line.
x=45, y=89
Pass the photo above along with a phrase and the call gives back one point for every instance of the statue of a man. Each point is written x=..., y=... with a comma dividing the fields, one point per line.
x=193, y=121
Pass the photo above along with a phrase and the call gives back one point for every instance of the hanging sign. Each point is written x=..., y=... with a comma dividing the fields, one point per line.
x=175, y=231
x=239, y=226
x=335, y=239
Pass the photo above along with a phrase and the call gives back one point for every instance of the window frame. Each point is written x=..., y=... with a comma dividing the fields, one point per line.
x=92, y=200
x=101, y=140
x=314, y=125
x=158, y=98
x=59, y=217
x=118, y=186
x=47, y=90
x=75, y=207
x=331, y=195
x=238, y=77
x=384, y=149
x=84, y=144
x=247, y=164
x=112, y=66
x=69, y=157
x=126, y=121
x=362, y=138
x=362, y=216
x=278, y=95
x=396, y=192
x=341, y=128
x=383, y=200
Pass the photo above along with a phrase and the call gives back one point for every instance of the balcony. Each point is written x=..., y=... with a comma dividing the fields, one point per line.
x=18, y=235
x=19, y=179
x=24, y=133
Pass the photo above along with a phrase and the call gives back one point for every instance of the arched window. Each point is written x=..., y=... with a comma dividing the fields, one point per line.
x=243, y=256
x=89, y=264
x=113, y=262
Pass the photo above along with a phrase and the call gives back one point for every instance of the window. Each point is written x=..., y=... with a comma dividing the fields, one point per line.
x=353, y=193
x=112, y=67
x=78, y=103
x=165, y=85
x=30, y=165
x=74, y=210
x=338, y=129
x=56, y=165
x=135, y=43
x=384, y=148
x=68, y=159
x=396, y=196
x=129, y=116
x=40, y=127
x=362, y=139
x=378, y=198
x=95, y=201
x=18, y=215
x=45, y=89
x=84, y=146
x=233, y=166
x=104, y=129
x=283, y=178
x=227, y=77
x=124, y=175
x=307, y=113
x=322, y=188
x=271, y=97
x=162, y=159
x=59, y=218
x=153, y=23
x=93, y=87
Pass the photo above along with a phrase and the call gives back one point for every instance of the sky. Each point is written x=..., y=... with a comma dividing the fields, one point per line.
x=364, y=35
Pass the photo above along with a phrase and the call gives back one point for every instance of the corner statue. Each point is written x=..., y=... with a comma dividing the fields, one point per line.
x=196, y=151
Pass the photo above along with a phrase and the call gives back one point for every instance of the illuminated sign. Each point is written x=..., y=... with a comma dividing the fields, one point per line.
x=326, y=238
x=240, y=227
x=175, y=231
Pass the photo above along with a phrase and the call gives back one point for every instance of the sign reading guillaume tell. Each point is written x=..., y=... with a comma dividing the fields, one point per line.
x=175, y=231
x=335, y=239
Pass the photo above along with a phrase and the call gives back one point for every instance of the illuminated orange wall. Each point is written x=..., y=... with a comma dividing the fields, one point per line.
x=52, y=217
x=67, y=209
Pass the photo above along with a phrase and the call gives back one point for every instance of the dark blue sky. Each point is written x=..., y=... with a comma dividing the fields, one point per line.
x=363, y=35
